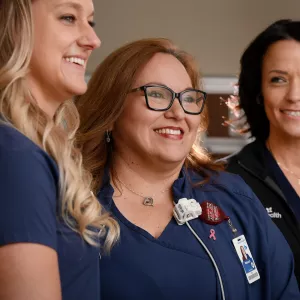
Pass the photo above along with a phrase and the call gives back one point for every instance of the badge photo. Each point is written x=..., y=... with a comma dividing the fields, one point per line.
x=243, y=251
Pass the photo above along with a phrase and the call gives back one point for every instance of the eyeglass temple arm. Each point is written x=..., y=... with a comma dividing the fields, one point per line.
x=136, y=89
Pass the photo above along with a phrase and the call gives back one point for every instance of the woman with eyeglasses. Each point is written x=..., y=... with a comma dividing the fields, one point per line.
x=182, y=219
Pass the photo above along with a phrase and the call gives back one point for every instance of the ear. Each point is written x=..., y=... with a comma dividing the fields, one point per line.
x=110, y=128
x=259, y=99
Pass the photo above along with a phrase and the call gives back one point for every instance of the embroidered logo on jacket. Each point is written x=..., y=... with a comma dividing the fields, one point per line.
x=273, y=215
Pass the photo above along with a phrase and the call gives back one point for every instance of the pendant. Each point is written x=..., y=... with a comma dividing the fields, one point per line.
x=148, y=201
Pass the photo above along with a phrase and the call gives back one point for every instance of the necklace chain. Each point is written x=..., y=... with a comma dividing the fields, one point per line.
x=148, y=200
x=291, y=172
x=282, y=165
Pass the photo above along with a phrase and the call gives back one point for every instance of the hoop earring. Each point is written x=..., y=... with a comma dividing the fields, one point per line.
x=108, y=135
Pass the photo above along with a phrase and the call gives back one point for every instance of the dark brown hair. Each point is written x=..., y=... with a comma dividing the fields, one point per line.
x=250, y=90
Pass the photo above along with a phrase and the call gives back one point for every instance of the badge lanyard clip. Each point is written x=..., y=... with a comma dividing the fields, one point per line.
x=233, y=229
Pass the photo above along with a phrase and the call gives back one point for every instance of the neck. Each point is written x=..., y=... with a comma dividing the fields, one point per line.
x=44, y=99
x=285, y=150
x=147, y=178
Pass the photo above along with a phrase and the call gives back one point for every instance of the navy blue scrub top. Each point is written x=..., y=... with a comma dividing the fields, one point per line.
x=175, y=266
x=28, y=214
x=278, y=176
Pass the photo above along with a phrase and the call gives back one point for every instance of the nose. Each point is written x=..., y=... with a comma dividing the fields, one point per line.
x=176, y=111
x=293, y=94
x=89, y=38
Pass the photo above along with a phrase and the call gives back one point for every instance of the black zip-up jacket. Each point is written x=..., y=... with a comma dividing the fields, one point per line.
x=249, y=163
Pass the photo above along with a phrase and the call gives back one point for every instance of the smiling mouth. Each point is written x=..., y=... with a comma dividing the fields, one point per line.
x=169, y=131
x=75, y=60
x=293, y=113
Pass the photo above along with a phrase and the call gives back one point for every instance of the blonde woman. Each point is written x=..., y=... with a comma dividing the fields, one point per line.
x=182, y=219
x=50, y=222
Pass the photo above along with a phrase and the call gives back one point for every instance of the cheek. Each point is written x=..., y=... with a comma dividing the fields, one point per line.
x=44, y=30
x=37, y=62
x=51, y=40
x=45, y=49
x=195, y=125
x=141, y=116
x=274, y=96
x=130, y=120
x=271, y=103
x=272, y=106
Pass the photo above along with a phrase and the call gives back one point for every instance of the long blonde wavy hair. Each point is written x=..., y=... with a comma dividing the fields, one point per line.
x=103, y=103
x=79, y=207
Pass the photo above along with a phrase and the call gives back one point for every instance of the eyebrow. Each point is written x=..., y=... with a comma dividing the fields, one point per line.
x=74, y=5
x=157, y=83
x=279, y=71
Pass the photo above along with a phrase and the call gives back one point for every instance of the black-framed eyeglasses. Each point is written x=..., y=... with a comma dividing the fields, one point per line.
x=161, y=98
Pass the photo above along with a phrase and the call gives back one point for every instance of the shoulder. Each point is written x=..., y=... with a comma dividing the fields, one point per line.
x=222, y=180
x=252, y=151
x=230, y=182
x=229, y=189
x=12, y=139
x=29, y=189
x=21, y=152
x=27, y=171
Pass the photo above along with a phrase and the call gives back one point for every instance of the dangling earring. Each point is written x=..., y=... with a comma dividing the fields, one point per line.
x=108, y=134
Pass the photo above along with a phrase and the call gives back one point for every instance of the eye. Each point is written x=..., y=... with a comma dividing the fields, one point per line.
x=69, y=19
x=155, y=94
x=92, y=24
x=189, y=99
x=277, y=79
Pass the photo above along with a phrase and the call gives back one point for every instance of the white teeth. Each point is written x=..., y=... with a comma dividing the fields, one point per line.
x=292, y=113
x=168, y=131
x=75, y=60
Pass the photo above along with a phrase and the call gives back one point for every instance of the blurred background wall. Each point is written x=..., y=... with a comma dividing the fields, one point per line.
x=215, y=31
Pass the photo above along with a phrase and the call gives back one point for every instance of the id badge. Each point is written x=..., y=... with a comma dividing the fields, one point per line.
x=245, y=256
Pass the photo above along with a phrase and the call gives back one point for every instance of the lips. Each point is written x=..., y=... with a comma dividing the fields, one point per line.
x=293, y=113
x=170, y=132
x=77, y=60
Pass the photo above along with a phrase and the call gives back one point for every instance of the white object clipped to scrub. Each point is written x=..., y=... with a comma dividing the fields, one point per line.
x=186, y=210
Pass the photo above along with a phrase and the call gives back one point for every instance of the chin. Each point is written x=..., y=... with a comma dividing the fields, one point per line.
x=292, y=133
x=77, y=88
x=174, y=159
x=295, y=135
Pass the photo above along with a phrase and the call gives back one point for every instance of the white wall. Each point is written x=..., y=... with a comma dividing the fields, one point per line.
x=215, y=31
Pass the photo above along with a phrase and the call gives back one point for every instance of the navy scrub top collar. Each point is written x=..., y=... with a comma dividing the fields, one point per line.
x=181, y=186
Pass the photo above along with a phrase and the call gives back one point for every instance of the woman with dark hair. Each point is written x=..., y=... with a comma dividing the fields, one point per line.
x=182, y=219
x=269, y=95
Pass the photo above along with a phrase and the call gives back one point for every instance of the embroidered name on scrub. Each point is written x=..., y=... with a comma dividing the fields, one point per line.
x=246, y=259
x=273, y=215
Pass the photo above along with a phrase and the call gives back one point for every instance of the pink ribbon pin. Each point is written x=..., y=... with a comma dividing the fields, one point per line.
x=212, y=234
